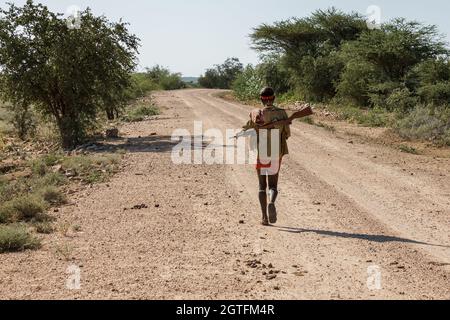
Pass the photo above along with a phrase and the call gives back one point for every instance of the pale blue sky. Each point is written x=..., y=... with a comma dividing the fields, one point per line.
x=189, y=36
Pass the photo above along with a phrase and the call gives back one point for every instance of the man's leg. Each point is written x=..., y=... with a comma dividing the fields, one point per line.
x=263, y=197
x=273, y=194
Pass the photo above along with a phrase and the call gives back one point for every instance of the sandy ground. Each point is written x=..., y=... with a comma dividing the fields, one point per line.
x=356, y=221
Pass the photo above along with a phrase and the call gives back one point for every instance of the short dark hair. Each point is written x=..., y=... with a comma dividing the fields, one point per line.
x=267, y=92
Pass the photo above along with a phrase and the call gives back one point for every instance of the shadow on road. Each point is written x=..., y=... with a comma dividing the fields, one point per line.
x=153, y=144
x=367, y=237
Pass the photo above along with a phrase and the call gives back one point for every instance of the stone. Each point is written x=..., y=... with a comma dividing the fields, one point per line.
x=112, y=133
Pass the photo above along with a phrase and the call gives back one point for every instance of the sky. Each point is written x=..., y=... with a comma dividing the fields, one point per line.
x=191, y=36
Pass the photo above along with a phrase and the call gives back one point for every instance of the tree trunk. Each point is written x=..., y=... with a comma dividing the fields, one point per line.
x=71, y=132
x=110, y=114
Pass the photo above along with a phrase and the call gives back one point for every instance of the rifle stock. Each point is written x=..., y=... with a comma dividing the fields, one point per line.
x=306, y=112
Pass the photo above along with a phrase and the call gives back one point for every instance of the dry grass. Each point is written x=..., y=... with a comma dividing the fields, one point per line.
x=15, y=238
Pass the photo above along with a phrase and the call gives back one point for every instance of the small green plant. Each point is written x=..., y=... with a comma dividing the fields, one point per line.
x=95, y=177
x=64, y=252
x=44, y=227
x=408, y=149
x=140, y=112
x=15, y=238
x=64, y=228
x=326, y=127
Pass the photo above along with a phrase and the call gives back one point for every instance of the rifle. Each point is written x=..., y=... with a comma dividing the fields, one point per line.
x=305, y=112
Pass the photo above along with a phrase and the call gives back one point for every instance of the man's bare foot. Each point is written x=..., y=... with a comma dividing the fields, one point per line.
x=265, y=223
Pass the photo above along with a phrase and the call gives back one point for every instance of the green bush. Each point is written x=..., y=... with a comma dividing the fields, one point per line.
x=141, y=85
x=401, y=100
x=222, y=76
x=248, y=84
x=15, y=238
x=24, y=119
x=355, y=81
x=437, y=94
x=23, y=208
x=165, y=79
x=273, y=73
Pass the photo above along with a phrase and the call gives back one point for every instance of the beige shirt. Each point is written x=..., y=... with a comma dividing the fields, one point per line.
x=261, y=117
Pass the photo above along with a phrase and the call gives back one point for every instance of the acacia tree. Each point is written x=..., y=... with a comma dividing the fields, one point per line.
x=308, y=48
x=69, y=74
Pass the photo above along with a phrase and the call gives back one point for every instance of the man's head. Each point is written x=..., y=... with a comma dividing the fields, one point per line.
x=267, y=96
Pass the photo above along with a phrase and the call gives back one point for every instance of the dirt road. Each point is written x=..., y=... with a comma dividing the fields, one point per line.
x=356, y=221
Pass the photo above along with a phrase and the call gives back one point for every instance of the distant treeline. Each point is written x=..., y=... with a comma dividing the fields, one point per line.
x=155, y=78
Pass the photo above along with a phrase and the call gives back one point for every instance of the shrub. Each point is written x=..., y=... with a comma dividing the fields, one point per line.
x=41, y=166
x=401, y=100
x=140, y=112
x=165, y=79
x=23, y=119
x=437, y=94
x=50, y=179
x=427, y=124
x=273, y=73
x=44, y=227
x=370, y=118
x=222, y=76
x=24, y=208
x=248, y=84
x=92, y=168
x=354, y=83
x=141, y=85
x=53, y=196
x=380, y=92
x=15, y=238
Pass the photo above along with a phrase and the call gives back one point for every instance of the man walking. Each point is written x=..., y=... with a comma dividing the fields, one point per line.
x=264, y=121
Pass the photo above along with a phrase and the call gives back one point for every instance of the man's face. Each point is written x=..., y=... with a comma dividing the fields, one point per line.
x=267, y=102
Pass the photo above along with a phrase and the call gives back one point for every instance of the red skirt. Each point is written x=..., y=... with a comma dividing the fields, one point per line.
x=274, y=166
